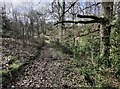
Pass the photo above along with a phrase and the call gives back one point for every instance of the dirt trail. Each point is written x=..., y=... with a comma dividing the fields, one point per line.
x=52, y=68
x=42, y=72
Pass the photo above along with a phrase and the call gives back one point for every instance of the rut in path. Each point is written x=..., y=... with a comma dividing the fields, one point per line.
x=42, y=72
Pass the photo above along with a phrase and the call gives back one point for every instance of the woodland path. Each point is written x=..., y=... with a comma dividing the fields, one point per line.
x=44, y=71
x=51, y=68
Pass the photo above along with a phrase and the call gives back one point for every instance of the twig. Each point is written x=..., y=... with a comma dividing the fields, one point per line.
x=91, y=5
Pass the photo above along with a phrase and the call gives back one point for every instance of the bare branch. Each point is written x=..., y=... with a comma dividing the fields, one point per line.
x=82, y=22
x=89, y=16
x=69, y=8
x=95, y=20
x=38, y=3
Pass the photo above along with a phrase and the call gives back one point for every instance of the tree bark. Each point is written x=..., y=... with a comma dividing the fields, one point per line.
x=106, y=11
x=63, y=19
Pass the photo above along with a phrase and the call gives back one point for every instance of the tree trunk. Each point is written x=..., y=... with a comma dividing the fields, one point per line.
x=107, y=9
x=63, y=19
x=118, y=10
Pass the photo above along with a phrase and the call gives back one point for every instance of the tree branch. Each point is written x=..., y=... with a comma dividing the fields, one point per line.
x=89, y=16
x=82, y=22
x=69, y=8
x=95, y=20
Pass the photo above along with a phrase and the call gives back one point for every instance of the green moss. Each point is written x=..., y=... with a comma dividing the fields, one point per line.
x=15, y=65
x=3, y=72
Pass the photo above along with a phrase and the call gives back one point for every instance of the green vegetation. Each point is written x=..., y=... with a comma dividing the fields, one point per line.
x=66, y=44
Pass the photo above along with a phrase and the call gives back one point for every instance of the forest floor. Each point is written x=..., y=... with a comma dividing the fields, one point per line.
x=52, y=68
x=48, y=70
